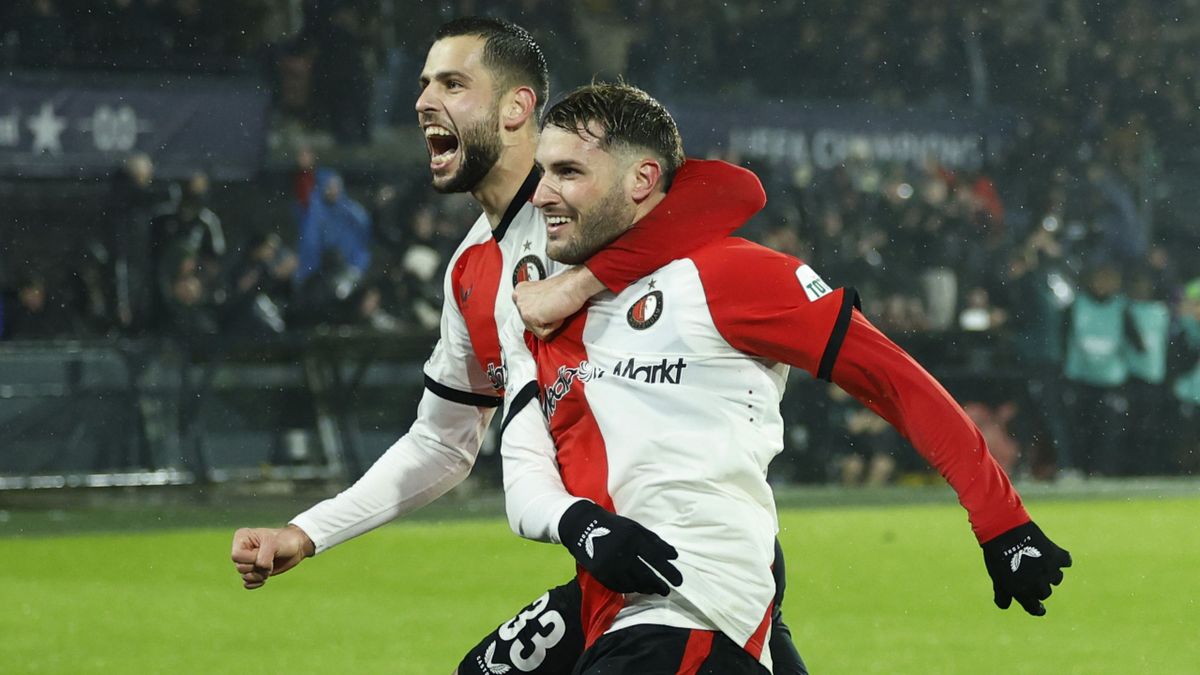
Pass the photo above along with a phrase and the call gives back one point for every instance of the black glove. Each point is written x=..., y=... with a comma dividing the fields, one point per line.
x=1023, y=564
x=619, y=552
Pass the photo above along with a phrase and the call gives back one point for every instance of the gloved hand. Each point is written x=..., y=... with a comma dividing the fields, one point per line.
x=1023, y=564
x=619, y=552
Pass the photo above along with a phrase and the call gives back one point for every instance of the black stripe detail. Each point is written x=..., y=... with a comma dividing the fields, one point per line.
x=523, y=397
x=514, y=207
x=463, y=397
x=838, y=336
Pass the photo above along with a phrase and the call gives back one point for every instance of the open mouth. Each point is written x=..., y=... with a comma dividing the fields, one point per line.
x=443, y=146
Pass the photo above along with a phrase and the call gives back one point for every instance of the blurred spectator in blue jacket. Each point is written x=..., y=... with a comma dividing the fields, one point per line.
x=333, y=220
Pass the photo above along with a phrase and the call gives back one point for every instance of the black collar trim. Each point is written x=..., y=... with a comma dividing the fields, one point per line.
x=514, y=207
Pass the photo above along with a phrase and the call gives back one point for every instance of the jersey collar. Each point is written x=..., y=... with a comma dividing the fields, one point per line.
x=514, y=207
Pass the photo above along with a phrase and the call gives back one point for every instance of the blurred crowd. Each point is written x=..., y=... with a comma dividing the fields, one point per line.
x=1117, y=69
x=157, y=260
x=1064, y=257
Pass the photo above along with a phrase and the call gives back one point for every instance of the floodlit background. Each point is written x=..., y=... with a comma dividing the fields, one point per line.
x=1011, y=186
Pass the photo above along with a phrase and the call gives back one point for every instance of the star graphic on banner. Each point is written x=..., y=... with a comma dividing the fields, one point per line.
x=47, y=130
x=528, y=245
x=652, y=282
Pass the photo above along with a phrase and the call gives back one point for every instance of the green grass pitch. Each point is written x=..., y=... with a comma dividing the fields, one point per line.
x=880, y=589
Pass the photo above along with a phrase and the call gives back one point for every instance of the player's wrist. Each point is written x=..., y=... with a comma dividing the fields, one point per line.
x=307, y=546
x=575, y=522
x=584, y=284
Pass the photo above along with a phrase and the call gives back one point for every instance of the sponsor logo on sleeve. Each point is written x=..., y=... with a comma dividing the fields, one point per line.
x=814, y=286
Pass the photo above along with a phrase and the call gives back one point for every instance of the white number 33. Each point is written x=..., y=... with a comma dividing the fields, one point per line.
x=528, y=657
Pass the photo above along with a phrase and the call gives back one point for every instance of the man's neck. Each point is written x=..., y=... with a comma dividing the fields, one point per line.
x=647, y=205
x=497, y=190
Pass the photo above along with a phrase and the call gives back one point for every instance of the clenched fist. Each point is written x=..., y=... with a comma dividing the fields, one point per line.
x=263, y=552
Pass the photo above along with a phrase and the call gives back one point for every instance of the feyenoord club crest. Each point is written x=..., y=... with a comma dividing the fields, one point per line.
x=529, y=268
x=646, y=310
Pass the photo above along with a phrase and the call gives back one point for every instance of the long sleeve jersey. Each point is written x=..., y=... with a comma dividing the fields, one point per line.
x=661, y=404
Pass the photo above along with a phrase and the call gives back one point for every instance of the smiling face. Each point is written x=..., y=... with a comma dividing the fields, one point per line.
x=584, y=194
x=458, y=112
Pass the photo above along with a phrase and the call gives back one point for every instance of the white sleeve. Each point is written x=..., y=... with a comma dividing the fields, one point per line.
x=436, y=454
x=534, y=495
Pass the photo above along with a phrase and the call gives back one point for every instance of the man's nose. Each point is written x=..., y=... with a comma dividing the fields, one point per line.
x=545, y=194
x=425, y=102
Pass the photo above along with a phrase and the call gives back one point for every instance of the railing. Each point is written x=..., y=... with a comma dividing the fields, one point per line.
x=158, y=412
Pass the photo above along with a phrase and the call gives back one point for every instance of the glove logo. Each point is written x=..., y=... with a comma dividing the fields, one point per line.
x=490, y=665
x=592, y=536
x=1026, y=551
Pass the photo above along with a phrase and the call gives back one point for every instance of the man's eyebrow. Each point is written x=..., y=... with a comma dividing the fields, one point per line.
x=443, y=75
x=560, y=164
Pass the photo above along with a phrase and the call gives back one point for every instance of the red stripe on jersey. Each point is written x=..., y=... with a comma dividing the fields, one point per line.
x=582, y=454
x=475, y=281
x=699, y=646
x=755, y=644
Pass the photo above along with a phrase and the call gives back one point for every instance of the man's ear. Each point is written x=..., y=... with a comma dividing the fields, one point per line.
x=645, y=177
x=518, y=107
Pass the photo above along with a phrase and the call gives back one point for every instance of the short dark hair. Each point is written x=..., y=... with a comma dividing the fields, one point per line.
x=509, y=51
x=625, y=116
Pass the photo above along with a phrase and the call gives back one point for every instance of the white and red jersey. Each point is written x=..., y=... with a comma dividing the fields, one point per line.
x=466, y=364
x=661, y=403
x=464, y=376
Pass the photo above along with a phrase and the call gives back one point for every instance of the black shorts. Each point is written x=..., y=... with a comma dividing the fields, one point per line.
x=532, y=642
x=545, y=638
x=662, y=650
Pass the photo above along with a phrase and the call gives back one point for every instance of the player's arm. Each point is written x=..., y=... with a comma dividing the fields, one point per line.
x=708, y=200
x=436, y=454
x=786, y=313
x=1021, y=560
x=534, y=495
x=619, y=552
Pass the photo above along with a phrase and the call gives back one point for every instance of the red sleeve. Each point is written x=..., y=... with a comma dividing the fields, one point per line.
x=878, y=373
x=708, y=200
x=769, y=304
x=774, y=306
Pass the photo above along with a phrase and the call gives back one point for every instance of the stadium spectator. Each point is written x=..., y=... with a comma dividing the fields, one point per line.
x=189, y=309
x=1186, y=384
x=1036, y=292
x=1149, y=401
x=863, y=443
x=133, y=201
x=193, y=225
x=333, y=221
x=1098, y=336
x=260, y=288
x=32, y=310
